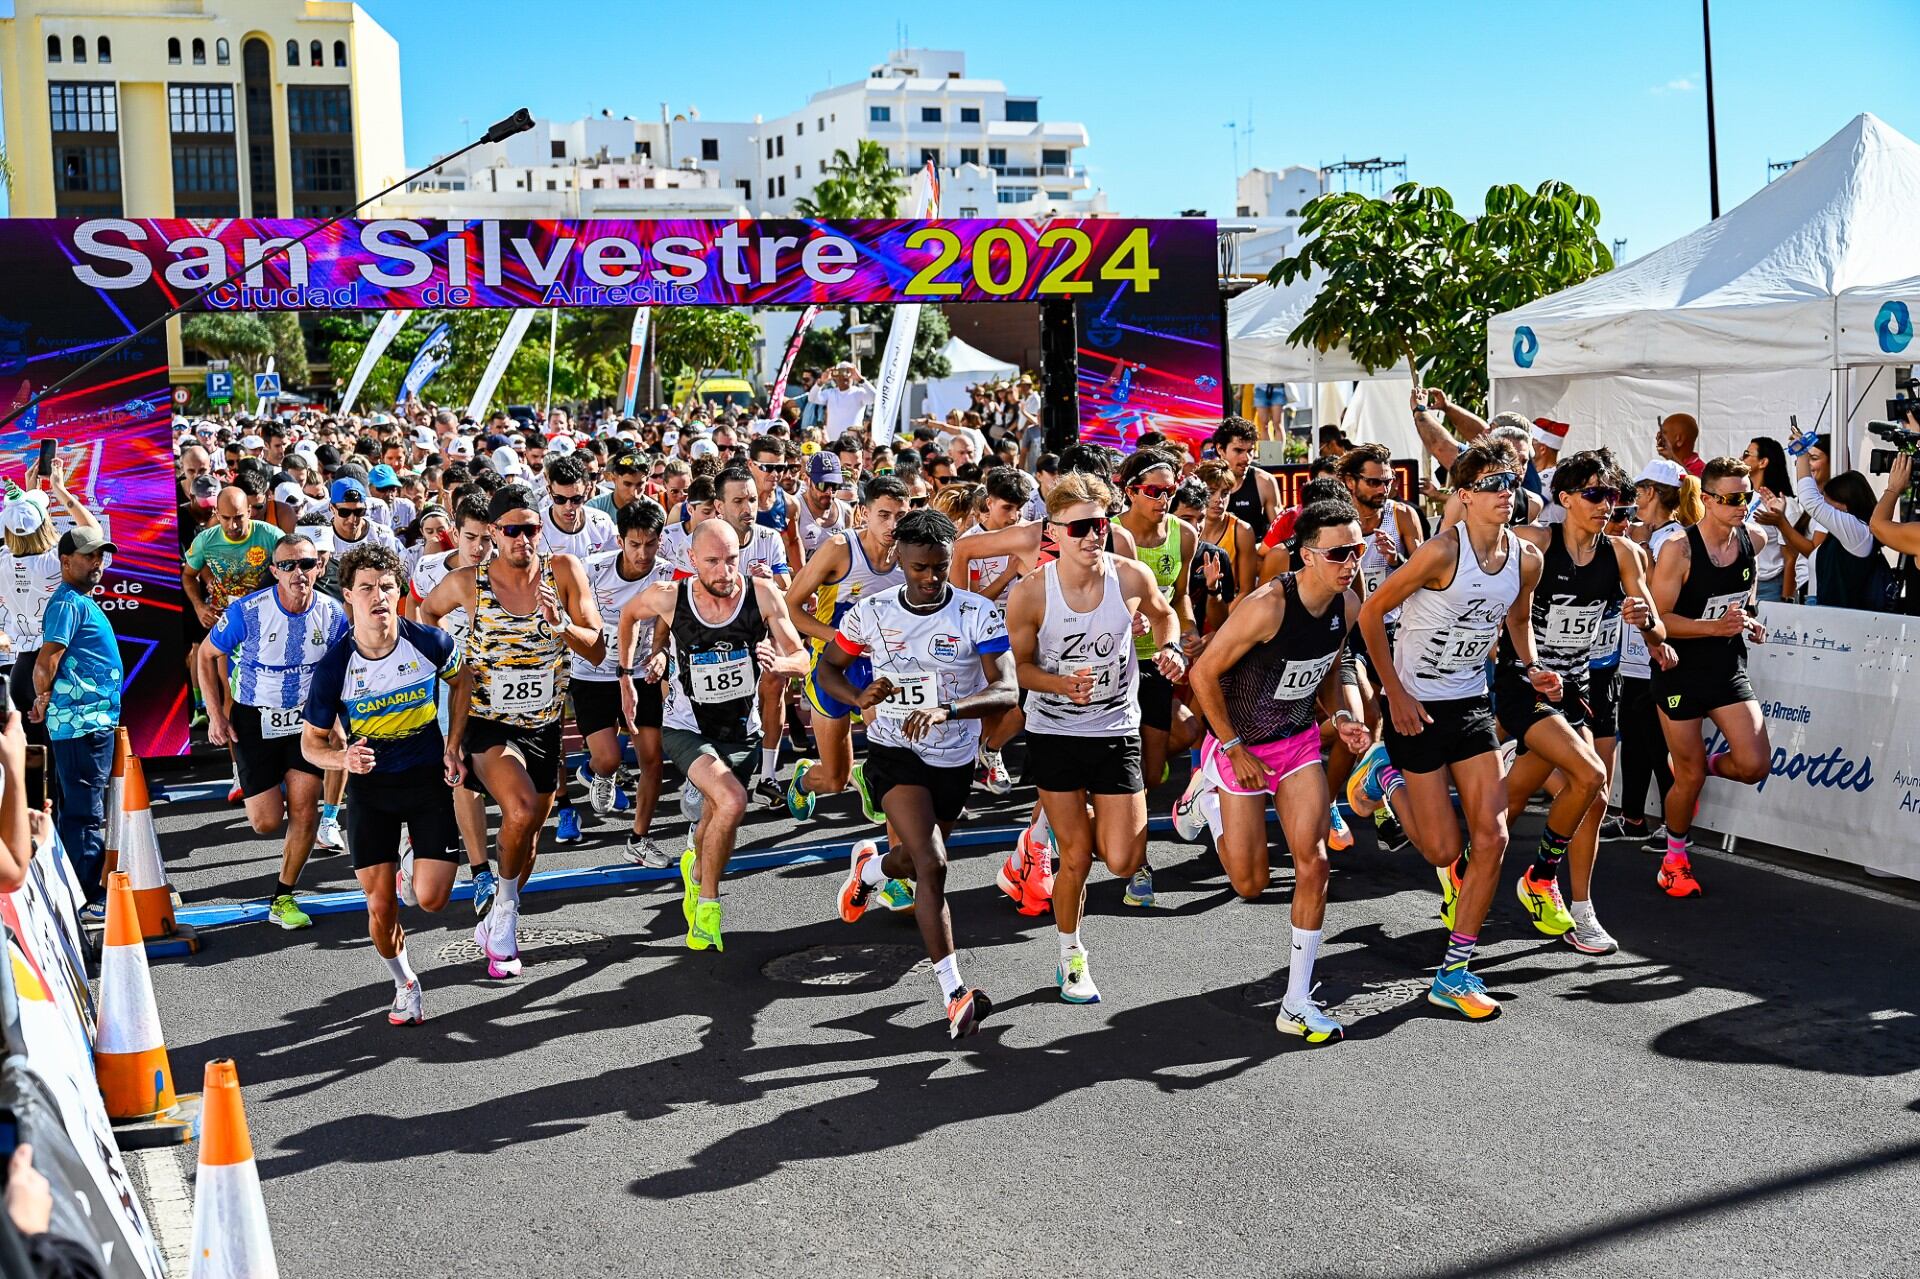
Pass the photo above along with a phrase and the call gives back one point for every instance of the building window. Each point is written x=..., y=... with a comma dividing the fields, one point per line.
x=339, y=53
x=929, y=115
x=746, y=190
x=769, y=148
x=796, y=172
x=969, y=115
x=550, y=183
x=79, y=49
x=783, y=188
x=799, y=128
x=55, y=55
x=879, y=115
x=222, y=51
x=200, y=108
x=559, y=148
x=996, y=157
x=1059, y=195
x=318, y=109
x=968, y=211
x=199, y=53
x=1053, y=155
x=1023, y=112
x=103, y=50
x=1016, y=195
x=205, y=168
x=313, y=55
x=293, y=53
x=823, y=166
x=820, y=126
x=930, y=155
x=780, y=145
x=83, y=108
x=325, y=169
x=89, y=169
x=709, y=148
x=969, y=155
x=644, y=150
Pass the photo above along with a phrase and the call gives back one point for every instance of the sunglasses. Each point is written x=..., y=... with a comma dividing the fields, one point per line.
x=776, y=468
x=1155, y=492
x=529, y=531
x=350, y=512
x=826, y=486
x=1741, y=498
x=578, y=499
x=1381, y=482
x=1623, y=514
x=915, y=503
x=1498, y=482
x=305, y=564
x=1077, y=529
x=1338, y=554
x=1601, y=496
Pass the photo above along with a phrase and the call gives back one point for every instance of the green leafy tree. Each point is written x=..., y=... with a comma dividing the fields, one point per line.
x=289, y=347
x=695, y=338
x=240, y=338
x=825, y=346
x=863, y=185
x=1408, y=279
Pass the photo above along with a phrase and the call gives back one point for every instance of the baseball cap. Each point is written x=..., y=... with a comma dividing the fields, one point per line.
x=824, y=468
x=423, y=438
x=383, y=477
x=561, y=445
x=26, y=514
x=702, y=447
x=1661, y=470
x=669, y=438
x=206, y=490
x=252, y=442
x=290, y=494
x=460, y=447
x=85, y=541
x=346, y=490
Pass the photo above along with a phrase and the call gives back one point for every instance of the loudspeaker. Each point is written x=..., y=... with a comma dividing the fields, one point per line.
x=1059, y=374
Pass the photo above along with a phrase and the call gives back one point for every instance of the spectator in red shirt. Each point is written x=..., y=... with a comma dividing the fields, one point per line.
x=1681, y=433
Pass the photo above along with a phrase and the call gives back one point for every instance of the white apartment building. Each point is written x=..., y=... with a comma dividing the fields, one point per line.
x=1263, y=193
x=996, y=156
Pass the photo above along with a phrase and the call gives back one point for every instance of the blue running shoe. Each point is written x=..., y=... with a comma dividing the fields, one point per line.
x=1458, y=990
x=1366, y=780
x=1339, y=834
x=1139, y=891
x=486, y=886
x=622, y=801
x=800, y=803
x=568, y=831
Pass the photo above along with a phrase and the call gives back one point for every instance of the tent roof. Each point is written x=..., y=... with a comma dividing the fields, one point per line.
x=1258, y=322
x=1755, y=289
x=967, y=359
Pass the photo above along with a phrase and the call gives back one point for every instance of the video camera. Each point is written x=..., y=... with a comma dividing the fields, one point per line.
x=1903, y=438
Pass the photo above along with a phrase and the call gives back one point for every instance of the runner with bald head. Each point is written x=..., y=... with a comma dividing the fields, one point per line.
x=724, y=631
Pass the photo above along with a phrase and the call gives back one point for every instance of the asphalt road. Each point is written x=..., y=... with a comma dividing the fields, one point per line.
x=1732, y=1094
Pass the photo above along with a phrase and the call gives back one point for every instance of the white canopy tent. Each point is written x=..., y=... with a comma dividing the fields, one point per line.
x=1783, y=306
x=970, y=367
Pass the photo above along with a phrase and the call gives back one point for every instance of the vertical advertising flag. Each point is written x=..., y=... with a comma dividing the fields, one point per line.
x=427, y=361
x=636, y=360
x=779, y=393
x=497, y=366
x=890, y=390
x=383, y=334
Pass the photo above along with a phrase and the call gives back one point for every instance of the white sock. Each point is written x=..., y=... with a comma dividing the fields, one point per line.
x=1210, y=809
x=769, y=760
x=509, y=890
x=1582, y=913
x=704, y=899
x=1070, y=941
x=947, y=973
x=872, y=873
x=1306, y=944
x=402, y=970
x=1042, y=829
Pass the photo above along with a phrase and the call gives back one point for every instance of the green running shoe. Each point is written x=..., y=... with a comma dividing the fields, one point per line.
x=1449, y=890
x=704, y=931
x=690, y=882
x=896, y=895
x=867, y=805
x=286, y=912
x=1543, y=904
x=800, y=802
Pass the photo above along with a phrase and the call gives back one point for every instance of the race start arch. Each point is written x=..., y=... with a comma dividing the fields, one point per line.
x=1145, y=297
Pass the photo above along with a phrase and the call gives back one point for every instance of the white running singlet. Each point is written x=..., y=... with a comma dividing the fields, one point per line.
x=1100, y=641
x=611, y=592
x=1447, y=635
x=597, y=533
x=1636, y=662
x=933, y=659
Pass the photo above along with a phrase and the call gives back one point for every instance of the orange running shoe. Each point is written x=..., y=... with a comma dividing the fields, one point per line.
x=855, y=891
x=965, y=1012
x=1676, y=878
x=1027, y=874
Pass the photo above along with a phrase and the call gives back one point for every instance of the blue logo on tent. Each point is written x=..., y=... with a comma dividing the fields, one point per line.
x=1525, y=347
x=1894, y=327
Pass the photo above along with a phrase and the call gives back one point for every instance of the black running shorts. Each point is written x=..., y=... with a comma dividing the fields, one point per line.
x=1520, y=706
x=380, y=804
x=1096, y=765
x=262, y=763
x=1461, y=729
x=596, y=706
x=889, y=766
x=1603, y=701
x=538, y=749
x=1156, y=697
x=1683, y=696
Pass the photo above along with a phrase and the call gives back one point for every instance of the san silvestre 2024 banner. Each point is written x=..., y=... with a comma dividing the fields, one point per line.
x=1145, y=292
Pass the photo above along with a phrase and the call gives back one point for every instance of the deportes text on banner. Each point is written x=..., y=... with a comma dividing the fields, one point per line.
x=383, y=335
x=497, y=366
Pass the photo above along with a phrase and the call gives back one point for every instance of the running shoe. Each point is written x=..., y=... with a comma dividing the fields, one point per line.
x=1543, y=904
x=1073, y=979
x=1590, y=938
x=993, y=773
x=1387, y=832
x=1460, y=991
x=93, y=913
x=403, y=875
x=327, y=835
x=770, y=792
x=1613, y=828
x=584, y=775
x=1027, y=874
x=1366, y=781
x=1188, y=820
x=1310, y=1023
x=622, y=800
x=1676, y=878
x=896, y=895
x=500, y=965
x=199, y=718
x=486, y=886
x=234, y=794
x=625, y=778
x=868, y=808
x=965, y=1012
x=1339, y=834
x=286, y=912
x=800, y=802
x=567, y=831
x=642, y=850
x=854, y=891
x=407, y=1009
x=1656, y=841
x=690, y=885
x=704, y=931
x=600, y=795
x=1449, y=890
x=1139, y=887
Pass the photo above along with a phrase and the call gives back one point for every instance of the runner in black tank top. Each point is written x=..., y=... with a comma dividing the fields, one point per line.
x=1704, y=588
x=1246, y=503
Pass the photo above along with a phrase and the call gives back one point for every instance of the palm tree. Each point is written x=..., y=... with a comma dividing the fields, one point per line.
x=863, y=185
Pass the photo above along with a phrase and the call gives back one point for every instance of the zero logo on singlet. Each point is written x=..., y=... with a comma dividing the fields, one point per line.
x=280, y=721
x=720, y=675
x=514, y=692
x=1468, y=644
x=1097, y=657
x=1718, y=606
x=1301, y=679
x=912, y=691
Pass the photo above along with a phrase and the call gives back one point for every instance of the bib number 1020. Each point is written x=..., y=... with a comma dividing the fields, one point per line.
x=1001, y=262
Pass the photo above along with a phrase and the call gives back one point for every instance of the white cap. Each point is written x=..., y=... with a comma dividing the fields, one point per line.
x=460, y=447
x=517, y=440
x=26, y=514
x=1661, y=470
x=290, y=494
x=506, y=461
x=423, y=438
x=561, y=446
x=702, y=447
x=669, y=438
x=252, y=442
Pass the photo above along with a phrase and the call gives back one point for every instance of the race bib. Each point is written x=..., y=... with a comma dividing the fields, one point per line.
x=1302, y=679
x=1462, y=651
x=1718, y=606
x=720, y=676
x=1571, y=626
x=1633, y=650
x=280, y=722
x=912, y=691
x=513, y=692
x=1607, y=638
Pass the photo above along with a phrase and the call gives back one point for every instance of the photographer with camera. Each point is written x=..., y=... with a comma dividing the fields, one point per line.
x=1892, y=520
x=1849, y=570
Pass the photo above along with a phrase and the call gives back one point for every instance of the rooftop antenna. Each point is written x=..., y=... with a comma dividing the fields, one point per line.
x=1368, y=171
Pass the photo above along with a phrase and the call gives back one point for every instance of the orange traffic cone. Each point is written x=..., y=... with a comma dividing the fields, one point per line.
x=230, y=1235
x=129, y=1052
x=140, y=856
x=116, y=802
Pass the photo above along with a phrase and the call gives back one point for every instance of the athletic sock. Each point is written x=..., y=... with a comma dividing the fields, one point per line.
x=872, y=872
x=329, y=811
x=1390, y=781
x=1070, y=942
x=1680, y=846
x=1042, y=829
x=509, y=890
x=1210, y=809
x=402, y=970
x=1459, y=951
x=704, y=899
x=770, y=760
x=1713, y=763
x=281, y=888
x=947, y=973
x=484, y=866
x=1546, y=862
x=1306, y=945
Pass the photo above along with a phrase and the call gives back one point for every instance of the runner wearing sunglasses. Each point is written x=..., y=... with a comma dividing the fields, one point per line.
x=571, y=527
x=820, y=513
x=768, y=464
x=1703, y=585
x=528, y=608
x=939, y=665
x=1072, y=630
x=1455, y=593
x=1584, y=573
x=272, y=640
x=1278, y=662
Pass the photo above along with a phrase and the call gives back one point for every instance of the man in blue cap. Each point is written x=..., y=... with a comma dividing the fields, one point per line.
x=351, y=525
x=385, y=483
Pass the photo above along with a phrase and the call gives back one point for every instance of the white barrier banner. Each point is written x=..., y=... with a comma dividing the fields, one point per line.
x=376, y=347
x=1840, y=694
x=497, y=365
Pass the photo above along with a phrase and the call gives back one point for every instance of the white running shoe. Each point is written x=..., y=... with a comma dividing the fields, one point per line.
x=600, y=795
x=1075, y=979
x=1188, y=818
x=328, y=835
x=1590, y=938
x=403, y=877
x=641, y=850
x=407, y=1009
x=994, y=775
x=1310, y=1023
x=498, y=936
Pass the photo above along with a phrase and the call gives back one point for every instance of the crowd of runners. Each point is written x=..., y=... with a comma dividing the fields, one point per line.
x=400, y=620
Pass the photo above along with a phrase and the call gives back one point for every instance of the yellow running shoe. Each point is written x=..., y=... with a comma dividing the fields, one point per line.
x=1543, y=904
x=690, y=883
x=1449, y=889
x=705, y=929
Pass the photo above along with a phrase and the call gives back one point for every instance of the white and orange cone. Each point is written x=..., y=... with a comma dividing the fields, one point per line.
x=140, y=858
x=230, y=1235
x=129, y=1052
